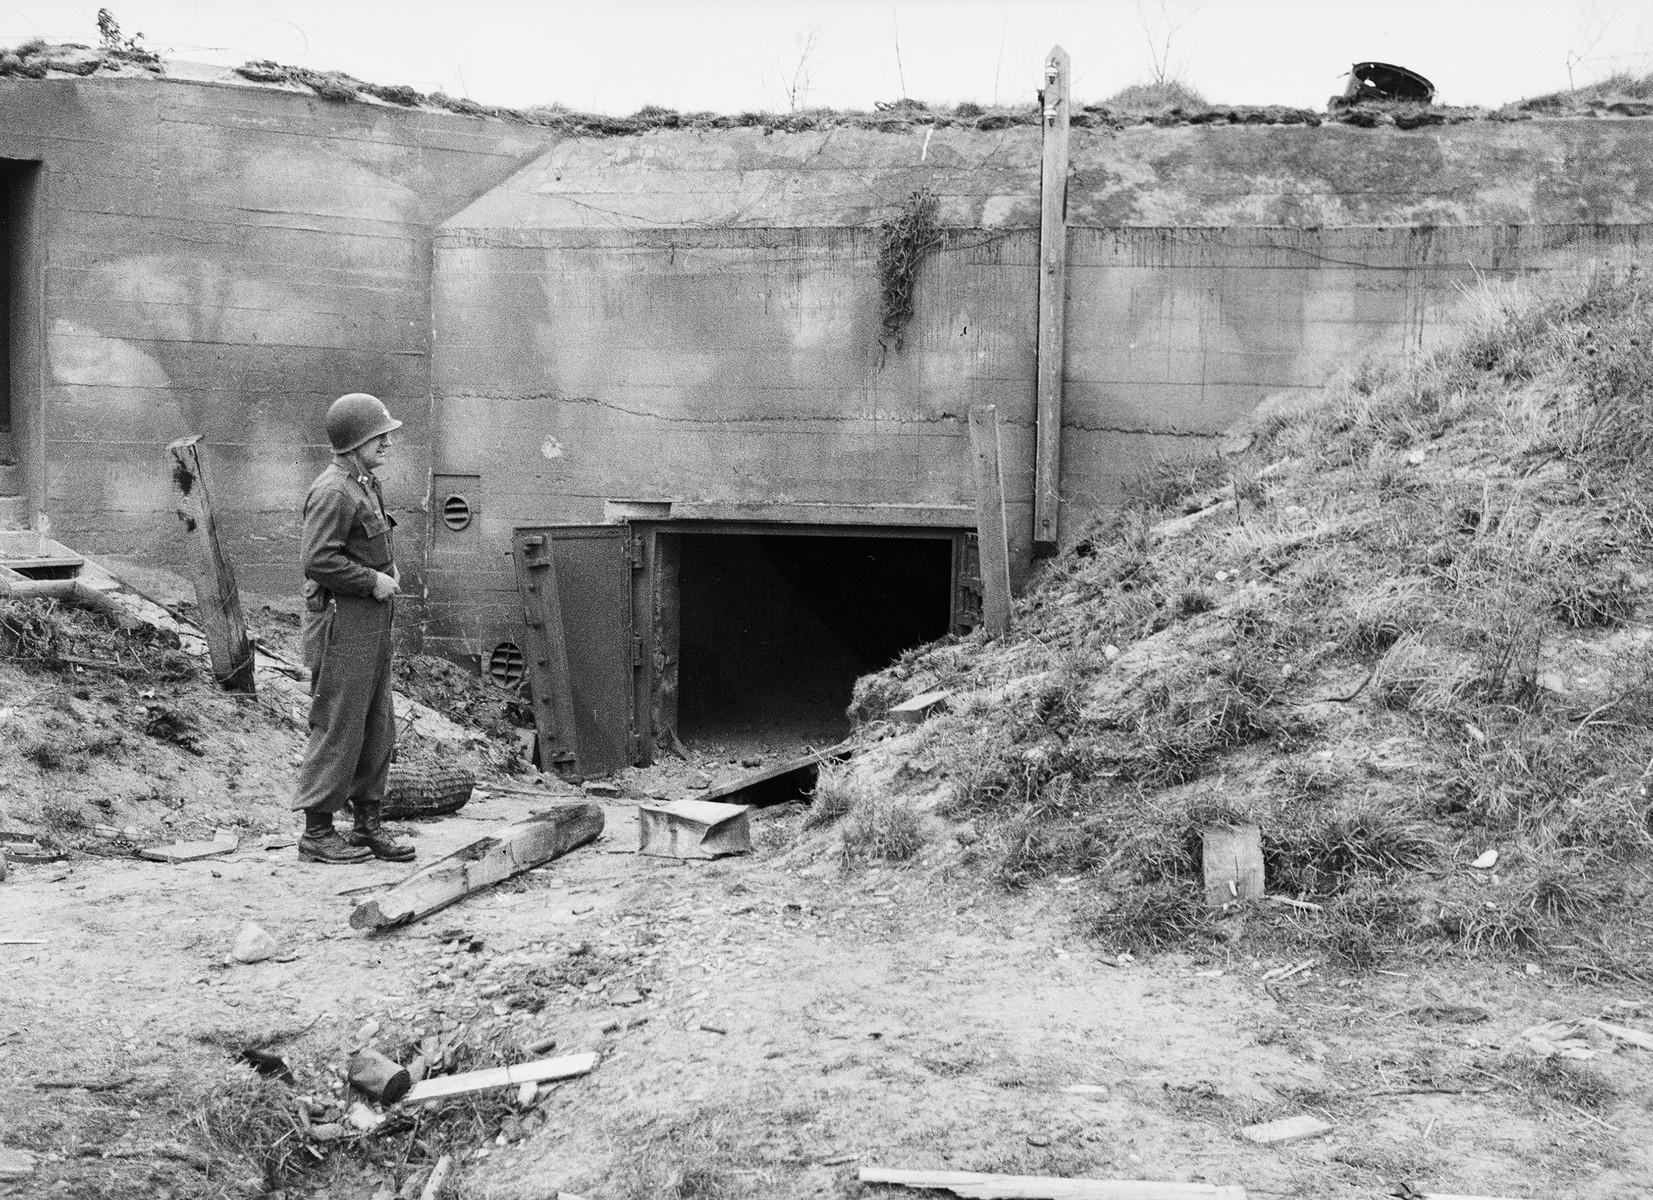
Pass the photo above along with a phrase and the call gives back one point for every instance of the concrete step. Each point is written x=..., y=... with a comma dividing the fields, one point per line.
x=14, y=512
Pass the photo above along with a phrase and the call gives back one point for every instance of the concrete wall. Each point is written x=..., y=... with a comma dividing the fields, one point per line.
x=730, y=372
x=1485, y=172
x=224, y=261
x=692, y=317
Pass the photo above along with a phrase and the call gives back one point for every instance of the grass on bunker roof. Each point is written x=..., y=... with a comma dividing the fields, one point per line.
x=1407, y=625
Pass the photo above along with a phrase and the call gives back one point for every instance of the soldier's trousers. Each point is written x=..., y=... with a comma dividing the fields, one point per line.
x=352, y=722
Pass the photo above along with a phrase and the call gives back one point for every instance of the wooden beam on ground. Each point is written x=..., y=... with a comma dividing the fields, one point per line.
x=991, y=537
x=515, y=849
x=1053, y=267
x=566, y=1067
x=215, y=592
x=976, y=1186
x=777, y=784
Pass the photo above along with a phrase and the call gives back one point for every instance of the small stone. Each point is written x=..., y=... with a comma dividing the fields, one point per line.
x=330, y=1131
x=366, y=1032
x=253, y=944
x=1110, y=652
x=526, y=1094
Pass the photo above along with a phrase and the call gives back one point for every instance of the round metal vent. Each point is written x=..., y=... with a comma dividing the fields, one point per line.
x=456, y=512
x=505, y=665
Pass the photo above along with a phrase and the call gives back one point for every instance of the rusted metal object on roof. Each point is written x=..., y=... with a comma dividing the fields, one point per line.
x=1385, y=81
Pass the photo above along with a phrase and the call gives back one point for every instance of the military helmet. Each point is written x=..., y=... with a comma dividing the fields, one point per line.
x=356, y=419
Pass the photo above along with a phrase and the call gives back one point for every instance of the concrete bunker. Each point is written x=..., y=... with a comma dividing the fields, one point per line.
x=644, y=635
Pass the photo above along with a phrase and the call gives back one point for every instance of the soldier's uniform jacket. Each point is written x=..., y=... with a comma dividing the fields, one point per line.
x=347, y=535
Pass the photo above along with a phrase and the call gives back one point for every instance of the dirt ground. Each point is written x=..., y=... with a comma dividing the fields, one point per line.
x=767, y=1025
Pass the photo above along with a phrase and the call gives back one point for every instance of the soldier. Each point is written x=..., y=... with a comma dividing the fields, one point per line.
x=350, y=579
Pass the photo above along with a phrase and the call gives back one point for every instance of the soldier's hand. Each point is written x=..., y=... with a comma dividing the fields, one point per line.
x=384, y=587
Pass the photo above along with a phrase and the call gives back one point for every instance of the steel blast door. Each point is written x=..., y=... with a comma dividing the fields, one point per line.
x=575, y=582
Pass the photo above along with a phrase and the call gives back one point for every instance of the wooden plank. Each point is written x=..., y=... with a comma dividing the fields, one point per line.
x=780, y=783
x=976, y=1186
x=911, y=712
x=1287, y=1129
x=1233, y=864
x=1053, y=259
x=223, y=842
x=693, y=829
x=991, y=540
x=566, y=1067
x=515, y=849
x=216, y=595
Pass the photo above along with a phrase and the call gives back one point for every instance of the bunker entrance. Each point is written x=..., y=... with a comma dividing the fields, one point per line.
x=742, y=636
x=774, y=629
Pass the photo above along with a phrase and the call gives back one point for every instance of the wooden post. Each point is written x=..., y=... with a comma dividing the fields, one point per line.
x=215, y=590
x=1053, y=266
x=990, y=523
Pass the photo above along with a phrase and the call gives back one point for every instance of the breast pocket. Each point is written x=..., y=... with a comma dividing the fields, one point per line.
x=374, y=537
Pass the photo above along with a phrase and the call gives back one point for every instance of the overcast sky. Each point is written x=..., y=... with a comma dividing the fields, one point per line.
x=733, y=55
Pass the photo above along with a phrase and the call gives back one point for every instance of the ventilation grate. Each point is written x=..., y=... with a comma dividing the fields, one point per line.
x=505, y=665
x=456, y=513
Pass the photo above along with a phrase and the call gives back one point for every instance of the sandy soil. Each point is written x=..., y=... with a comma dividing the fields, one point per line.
x=767, y=1025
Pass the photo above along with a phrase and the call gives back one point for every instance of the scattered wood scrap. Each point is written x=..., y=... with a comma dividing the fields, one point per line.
x=694, y=829
x=223, y=842
x=566, y=1067
x=779, y=784
x=15, y=1164
x=912, y=712
x=975, y=1186
x=1233, y=864
x=111, y=1084
x=1634, y=1037
x=515, y=849
x=1287, y=1129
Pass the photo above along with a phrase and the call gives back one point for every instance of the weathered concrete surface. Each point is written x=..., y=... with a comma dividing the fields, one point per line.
x=693, y=316
x=225, y=261
x=732, y=368
x=1486, y=172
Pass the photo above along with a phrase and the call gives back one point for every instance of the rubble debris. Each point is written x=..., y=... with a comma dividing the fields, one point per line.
x=566, y=1067
x=112, y=1084
x=1233, y=864
x=362, y=1118
x=515, y=849
x=254, y=944
x=1559, y=1039
x=1384, y=81
x=911, y=712
x=15, y=1164
x=1449, y=1014
x=694, y=829
x=1287, y=1129
x=378, y=1077
x=438, y=1178
x=976, y=1186
x=223, y=842
x=416, y=790
x=265, y=1063
x=1634, y=1037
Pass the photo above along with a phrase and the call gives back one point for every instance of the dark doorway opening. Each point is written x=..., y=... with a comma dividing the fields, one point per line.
x=776, y=628
x=20, y=265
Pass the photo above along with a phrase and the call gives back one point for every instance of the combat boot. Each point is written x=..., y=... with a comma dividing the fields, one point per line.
x=322, y=843
x=373, y=837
